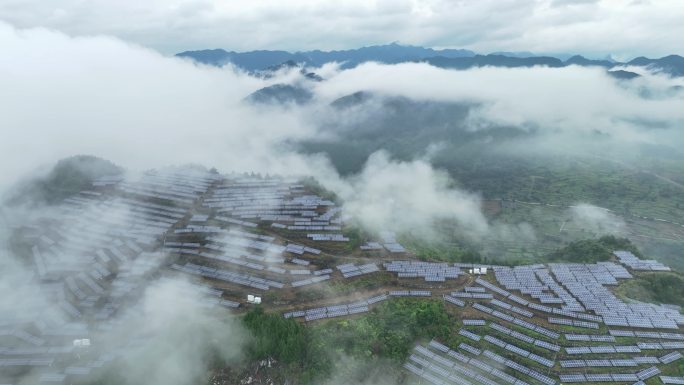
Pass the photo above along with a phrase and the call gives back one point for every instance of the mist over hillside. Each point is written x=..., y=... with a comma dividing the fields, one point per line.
x=391, y=214
x=497, y=133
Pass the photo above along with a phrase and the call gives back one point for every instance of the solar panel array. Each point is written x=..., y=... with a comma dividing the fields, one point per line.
x=646, y=334
x=228, y=276
x=183, y=189
x=519, y=351
x=442, y=365
x=616, y=362
x=524, y=337
x=371, y=246
x=274, y=200
x=603, y=349
x=389, y=242
x=633, y=262
x=327, y=237
x=94, y=255
x=220, y=243
x=462, y=294
x=310, y=281
x=339, y=310
x=593, y=378
x=587, y=282
x=429, y=271
x=527, y=281
x=410, y=293
x=350, y=270
x=589, y=337
x=519, y=368
x=571, y=322
x=512, y=308
x=517, y=321
x=578, y=286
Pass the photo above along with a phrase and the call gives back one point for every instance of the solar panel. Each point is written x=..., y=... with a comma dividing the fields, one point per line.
x=469, y=349
x=648, y=373
x=469, y=335
x=670, y=357
x=672, y=380
x=572, y=378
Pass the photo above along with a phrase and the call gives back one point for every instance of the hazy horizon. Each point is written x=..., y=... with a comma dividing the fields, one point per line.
x=593, y=28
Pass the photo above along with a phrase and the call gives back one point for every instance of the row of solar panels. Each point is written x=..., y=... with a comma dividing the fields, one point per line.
x=410, y=293
x=593, y=378
x=518, y=350
x=629, y=259
x=524, y=337
x=452, y=372
x=458, y=294
x=328, y=237
x=517, y=321
x=430, y=272
x=363, y=304
x=512, y=308
x=672, y=380
x=614, y=362
x=311, y=281
x=665, y=345
x=589, y=337
x=643, y=334
x=350, y=270
x=519, y=368
x=602, y=349
x=474, y=362
x=228, y=276
x=575, y=323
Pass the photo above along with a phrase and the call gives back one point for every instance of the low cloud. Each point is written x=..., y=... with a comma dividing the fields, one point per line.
x=172, y=338
x=101, y=96
x=596, y=219
x=408, y=197
x=163, y=331
x=98, y=95
x=63, y=96
x=575, y=102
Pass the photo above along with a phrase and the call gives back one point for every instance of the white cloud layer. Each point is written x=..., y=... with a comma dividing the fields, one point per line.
x=571, y=101
x=625, y=28
x=596, y=219
x=409, y=197
x=65, y=95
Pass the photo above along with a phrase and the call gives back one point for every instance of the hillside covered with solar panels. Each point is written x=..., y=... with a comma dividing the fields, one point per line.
x=282, y=252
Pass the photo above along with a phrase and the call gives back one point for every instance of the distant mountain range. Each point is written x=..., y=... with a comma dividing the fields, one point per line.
x=260, y=60
x=672, y=65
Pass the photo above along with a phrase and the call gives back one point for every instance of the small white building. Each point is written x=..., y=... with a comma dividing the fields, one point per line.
x=253, y=299
x=82, y=343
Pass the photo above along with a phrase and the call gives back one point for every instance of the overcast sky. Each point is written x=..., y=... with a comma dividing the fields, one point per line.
x=624, y=28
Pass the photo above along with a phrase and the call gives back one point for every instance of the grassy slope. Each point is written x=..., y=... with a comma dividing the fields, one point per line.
x=67, y=177
x=666, y=288
x=384, y=336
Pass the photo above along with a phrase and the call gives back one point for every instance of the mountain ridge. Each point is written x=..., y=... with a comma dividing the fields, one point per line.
x=261, y=60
